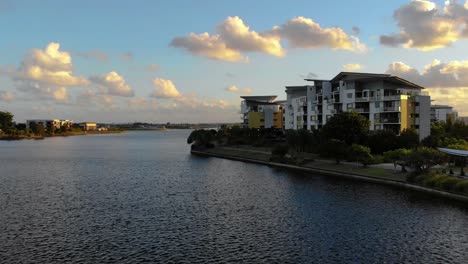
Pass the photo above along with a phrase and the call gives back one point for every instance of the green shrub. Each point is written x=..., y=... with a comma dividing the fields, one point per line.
x=449, y=183
x=280, y=150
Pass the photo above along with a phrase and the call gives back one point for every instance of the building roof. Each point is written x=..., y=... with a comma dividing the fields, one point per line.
x=262, y=98
x=455, y=152
x=441, y=107
x=374, y=77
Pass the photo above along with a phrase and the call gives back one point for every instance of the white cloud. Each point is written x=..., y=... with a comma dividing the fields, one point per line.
x=164, y=89
x=303, y=32
x=233, y=38
x=426, y=27
x=6, y=96
x=446, y=83
x=114, y=83
x=352, y=67
x=234, y=89
x=212, y=47
x=61, y=94
x=238, y=36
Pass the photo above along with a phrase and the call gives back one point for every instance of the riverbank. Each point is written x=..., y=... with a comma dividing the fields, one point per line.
x=372, y=174
x=71, y=133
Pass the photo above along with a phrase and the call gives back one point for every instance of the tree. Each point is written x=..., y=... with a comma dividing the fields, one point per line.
x=423, y=158
x=398, y=157
x=202, y=138
x=6, y=120
x=381, y=141
x=349, y=127
x=408, y=138
x=362, y=154
x=335, y=149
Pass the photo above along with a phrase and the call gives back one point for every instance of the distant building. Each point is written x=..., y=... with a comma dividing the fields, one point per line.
x=387, y=101
x=443, y=113
x=261, y=112
x=464, y=119
x=87, y=126
x=48, y=124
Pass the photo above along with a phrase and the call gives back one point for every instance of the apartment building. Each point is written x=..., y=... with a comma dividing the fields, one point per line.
x=261, y=112
x=443, y=113
x=387, y=101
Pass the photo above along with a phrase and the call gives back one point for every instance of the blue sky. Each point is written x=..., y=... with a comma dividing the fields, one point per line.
x=125, y=61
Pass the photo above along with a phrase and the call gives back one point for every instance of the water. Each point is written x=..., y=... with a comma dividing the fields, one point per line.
x=140, y=197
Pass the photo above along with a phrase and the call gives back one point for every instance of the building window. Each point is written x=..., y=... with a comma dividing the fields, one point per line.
x=377, y=127
x=350, y=95
x=262, y=120
x=349, y=106
x=377, y=104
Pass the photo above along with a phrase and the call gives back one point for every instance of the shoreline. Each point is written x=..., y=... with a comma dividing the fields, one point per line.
x=68, y=134
x=348, y=175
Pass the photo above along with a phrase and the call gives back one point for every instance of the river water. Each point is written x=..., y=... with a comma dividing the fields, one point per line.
x=140, y=197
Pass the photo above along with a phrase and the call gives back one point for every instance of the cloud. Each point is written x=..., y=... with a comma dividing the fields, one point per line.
x=7, y=96
x=45, y=73
x=230, y=75
x=233, y=38
x=424, y=26
x=238, y=36
x=447, y=83
x=164, y=89
x=114, y=83
x=94, y=55
x=352, y=67
x=234, y=89
x=301, y=32
x=309, y=75
x=127, y=56
x=152, y=67
x=212, y=47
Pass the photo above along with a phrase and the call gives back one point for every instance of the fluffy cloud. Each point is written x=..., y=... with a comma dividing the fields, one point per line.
x=423, y=25
x=114, y=83
x=447, y=83
x=47, y=73
x=164, y=89
x=94, y=55
x=352, y=67
x=238, y=36
x=233, y=37
x=6, y=96
x=303, y=32
x=212, y=47
x=234, y=89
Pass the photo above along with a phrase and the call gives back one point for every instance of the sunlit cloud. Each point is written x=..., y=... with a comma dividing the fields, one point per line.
x=164, y=89
x=7, y=96
x=424, y=26
x=352, y=67
x=446, y=83
x=114, y=83
x=235, y=89
x=301, y=32
x=233, y=38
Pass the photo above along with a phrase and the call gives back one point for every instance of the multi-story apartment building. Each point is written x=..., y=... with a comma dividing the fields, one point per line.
x=443, y=113
x=261, y=112
x=387, y=101
x=50, y=124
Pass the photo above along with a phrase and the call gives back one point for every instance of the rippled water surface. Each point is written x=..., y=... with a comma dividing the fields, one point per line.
x=141, y=197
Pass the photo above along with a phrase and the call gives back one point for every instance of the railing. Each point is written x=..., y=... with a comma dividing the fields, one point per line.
x=361, y=99
x=392, y=97
x=361, y=110
x=392, y=109
x=389, y=121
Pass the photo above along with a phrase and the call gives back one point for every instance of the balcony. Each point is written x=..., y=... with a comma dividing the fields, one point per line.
x=361, y=99
x=392, y=97
x=361, y=110
x=389, y=121
x=391, y=109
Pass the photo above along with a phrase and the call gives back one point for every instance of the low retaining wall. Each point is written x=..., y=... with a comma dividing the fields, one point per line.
x=339, y=174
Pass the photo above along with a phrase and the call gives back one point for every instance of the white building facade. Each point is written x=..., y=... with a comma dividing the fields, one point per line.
x=388, y=102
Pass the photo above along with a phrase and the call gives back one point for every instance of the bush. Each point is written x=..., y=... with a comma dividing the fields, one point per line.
x=280, y=150
x=362, y=154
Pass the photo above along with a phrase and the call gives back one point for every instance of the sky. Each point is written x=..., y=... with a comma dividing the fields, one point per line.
x=190, y=61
